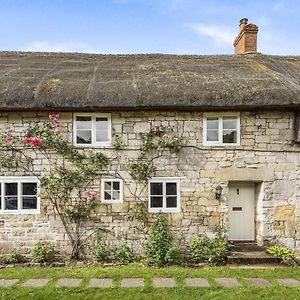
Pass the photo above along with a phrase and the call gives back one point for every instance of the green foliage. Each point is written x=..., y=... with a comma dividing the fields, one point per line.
x=124, y=254
x=281, y=252
x=141, y=170
x=159, y=242
x=140, y=211
x=159, y=138
x=205, y=250
x=174, y=256
x=118, y=142
x=43, y=252
x=14, y=257
x=101, y=252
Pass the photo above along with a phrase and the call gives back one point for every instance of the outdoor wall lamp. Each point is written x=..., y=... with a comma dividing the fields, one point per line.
x=218, y=192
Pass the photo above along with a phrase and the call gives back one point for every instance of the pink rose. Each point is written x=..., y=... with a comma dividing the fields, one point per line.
x=27, y=140
x=9, y=138
x=34, y=141
x=56, y=130
x=167, y=136
x=156, y=127
x=53, y=117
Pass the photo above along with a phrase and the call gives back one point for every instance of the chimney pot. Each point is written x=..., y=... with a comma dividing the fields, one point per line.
x=244, y=21
x=246, y=41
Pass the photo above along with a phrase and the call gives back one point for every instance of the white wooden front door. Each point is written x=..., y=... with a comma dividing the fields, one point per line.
x=241, y=212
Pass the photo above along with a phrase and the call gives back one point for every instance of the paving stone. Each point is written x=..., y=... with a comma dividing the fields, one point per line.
x=289, y=282
x=132, y=282
x=68, y=282
x=258, y=282
x=164, y=282
x=36, y=282
x=8, y=282
x=200, y=282
x=227, y=281
x=100, y=282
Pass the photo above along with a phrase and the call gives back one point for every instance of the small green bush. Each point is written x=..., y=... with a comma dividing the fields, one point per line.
x=101, y=252
x=14, y=258
x=124, y=254
x=159, y=242
x=283, y=253
x=174, y=255
x=205, y=250
x=43, y=252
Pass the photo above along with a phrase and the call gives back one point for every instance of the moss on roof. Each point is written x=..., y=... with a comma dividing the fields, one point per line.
x=72, y=81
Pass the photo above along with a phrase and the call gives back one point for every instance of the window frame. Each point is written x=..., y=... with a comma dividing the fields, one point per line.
x=19, y=180
x=93, y=130
x=220, y=128
x=164, y=181
x=103, y=181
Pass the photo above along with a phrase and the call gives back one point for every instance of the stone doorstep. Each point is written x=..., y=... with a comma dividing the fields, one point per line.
x=290, y=282
x=227, y=281
x=38, y=282
x=8, y=282
x=100, y=282
x=164, y=282
x=132, y=282
x=68, y=282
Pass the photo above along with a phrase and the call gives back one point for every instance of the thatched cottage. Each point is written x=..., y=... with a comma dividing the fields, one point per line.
x=240, y=168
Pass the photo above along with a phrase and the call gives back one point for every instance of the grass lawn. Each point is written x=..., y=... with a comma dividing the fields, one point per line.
x=148, y=292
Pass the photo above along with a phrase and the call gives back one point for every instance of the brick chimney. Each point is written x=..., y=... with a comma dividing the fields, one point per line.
x=246, y=41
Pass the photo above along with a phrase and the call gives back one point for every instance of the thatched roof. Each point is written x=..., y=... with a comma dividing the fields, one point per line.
x=64, y=81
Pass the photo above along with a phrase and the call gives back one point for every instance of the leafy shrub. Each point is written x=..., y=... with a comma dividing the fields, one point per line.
x=101, y=252
x=159, y=242
x=174, y=256
x=43, y=252
x=213, y=251
x=283, y=253
x=124, y=254
x=14, y=258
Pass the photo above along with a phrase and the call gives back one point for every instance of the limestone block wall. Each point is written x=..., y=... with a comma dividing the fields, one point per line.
x=266, y=156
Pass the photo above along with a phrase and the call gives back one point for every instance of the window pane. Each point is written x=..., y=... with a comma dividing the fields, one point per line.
x=11, y=196
x=29, y=202
x=116, y=195
x=229, y=122
x=212, y=135
x=116, y=185
x=156, y=202
x=29, y=188
x=84, y=137
x=11, y=189
x=229, y=136
x=212, y=123
x=101, y=129
x=11, y=202
x=156, y=188
x=107, y=185
x=84, y=123
x=107, y=195
x=172, y=202
x=171, y=188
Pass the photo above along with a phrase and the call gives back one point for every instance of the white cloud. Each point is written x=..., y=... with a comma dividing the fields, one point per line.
x=59, y=47
x=220, y=35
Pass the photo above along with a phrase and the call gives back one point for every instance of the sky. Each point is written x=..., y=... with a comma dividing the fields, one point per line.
x=147, y=26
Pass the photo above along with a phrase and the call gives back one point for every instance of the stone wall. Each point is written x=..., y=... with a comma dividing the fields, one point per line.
x=266, y=156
